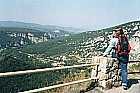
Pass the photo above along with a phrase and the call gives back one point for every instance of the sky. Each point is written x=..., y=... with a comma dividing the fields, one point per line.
x=86, y=14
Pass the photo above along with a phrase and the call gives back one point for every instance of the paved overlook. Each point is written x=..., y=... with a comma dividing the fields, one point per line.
x=134, y=86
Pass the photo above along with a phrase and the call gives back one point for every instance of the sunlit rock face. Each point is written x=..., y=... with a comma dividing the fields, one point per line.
x=10, y=37
x=135, y=44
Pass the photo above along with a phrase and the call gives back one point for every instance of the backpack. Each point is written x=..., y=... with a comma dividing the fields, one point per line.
x=123, y=47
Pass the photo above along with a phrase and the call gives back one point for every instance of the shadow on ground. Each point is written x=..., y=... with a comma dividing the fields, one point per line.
x=133, y=81
x=90, y=87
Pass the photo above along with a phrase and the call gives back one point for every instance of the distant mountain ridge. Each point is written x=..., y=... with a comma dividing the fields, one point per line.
x=43, y=28
x=13, y=34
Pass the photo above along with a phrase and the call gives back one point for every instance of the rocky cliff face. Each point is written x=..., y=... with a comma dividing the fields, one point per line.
x=135, y=44
x=17, y=37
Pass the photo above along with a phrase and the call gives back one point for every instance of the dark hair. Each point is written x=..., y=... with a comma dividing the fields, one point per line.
x=119, y=29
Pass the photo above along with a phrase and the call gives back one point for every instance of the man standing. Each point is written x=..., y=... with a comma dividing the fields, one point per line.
x=120, y=48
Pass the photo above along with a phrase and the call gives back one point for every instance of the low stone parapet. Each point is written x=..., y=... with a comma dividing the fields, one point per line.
x=107, y=71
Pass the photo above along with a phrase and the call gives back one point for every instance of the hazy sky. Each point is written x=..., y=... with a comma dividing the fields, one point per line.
x=93, y=14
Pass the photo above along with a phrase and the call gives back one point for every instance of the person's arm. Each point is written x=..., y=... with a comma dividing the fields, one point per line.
x=112, y=44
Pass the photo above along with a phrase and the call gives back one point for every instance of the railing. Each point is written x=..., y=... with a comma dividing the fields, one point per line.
x=7, y=74
x=50, y=69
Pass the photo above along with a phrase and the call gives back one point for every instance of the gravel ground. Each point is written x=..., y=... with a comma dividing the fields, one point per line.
x=134, y=86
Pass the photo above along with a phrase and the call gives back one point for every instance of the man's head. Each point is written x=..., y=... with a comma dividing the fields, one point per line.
x=118, y=31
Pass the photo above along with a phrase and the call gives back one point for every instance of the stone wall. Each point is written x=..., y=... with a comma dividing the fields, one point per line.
x=107, y=71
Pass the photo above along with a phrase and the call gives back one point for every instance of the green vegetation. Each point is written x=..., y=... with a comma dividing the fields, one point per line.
x=69, y=50
x=13, y=60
